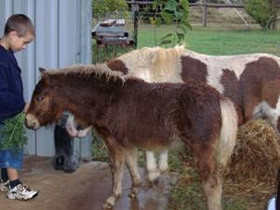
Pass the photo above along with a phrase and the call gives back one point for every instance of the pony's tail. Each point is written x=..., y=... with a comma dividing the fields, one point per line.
x=227, y=140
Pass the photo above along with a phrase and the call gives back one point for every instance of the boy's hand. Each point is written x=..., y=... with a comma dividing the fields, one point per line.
x=26, y=107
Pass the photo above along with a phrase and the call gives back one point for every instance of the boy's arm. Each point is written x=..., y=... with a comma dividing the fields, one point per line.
x=9, y=102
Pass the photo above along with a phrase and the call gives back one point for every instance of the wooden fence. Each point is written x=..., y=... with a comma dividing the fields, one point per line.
x=135, y=5
x=210, y=5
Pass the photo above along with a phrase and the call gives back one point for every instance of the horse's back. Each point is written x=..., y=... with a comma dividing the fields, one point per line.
x=214, y=66
x=180, y=65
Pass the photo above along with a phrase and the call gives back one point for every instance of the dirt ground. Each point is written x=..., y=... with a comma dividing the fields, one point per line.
x=85, y=189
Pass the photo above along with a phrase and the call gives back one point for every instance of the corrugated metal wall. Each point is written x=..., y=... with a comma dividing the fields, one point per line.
x=63, y=37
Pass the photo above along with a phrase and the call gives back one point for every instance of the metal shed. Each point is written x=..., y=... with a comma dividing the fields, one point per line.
x=63, y=37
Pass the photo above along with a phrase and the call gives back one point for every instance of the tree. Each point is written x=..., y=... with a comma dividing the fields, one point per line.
x=263, y=12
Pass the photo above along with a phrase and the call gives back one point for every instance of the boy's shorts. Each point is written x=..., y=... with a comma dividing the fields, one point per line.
x=11, y=158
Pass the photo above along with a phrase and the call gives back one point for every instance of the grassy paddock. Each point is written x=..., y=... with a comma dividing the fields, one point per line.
x=187, y=194
x=218, y=42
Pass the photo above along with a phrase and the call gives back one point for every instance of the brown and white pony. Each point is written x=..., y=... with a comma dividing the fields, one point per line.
x=251, y=81
x=129, y=113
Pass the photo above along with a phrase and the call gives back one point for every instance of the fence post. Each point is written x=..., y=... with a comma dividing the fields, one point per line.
x=205, y=12
x=273, y=25
x=135, y=10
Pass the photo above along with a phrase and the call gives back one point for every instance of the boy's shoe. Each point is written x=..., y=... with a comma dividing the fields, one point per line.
x=4, y=186
x=21, y=192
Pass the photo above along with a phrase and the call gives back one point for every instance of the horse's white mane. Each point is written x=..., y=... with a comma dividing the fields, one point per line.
x=155, y=63
x=151, y=54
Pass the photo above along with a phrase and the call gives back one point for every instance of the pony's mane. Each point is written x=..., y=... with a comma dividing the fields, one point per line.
x=88, y=70
x=152, y=54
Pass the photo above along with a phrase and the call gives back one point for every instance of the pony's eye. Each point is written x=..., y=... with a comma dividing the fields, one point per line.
x=40, y=98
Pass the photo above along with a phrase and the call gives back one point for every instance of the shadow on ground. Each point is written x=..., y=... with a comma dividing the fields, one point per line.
x=85, y=189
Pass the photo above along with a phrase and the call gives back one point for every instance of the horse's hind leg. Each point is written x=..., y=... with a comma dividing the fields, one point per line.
x=151, y=166
x=117, y=158
x=210, y=176
x=163, y=161
x=131, y=162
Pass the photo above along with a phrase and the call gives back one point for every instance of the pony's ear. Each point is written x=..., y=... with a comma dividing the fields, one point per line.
x=46, y=77
x=42, y=70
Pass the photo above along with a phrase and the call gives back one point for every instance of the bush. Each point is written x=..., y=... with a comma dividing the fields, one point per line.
x=263, y=12
x=175, y=12
x=101, y=8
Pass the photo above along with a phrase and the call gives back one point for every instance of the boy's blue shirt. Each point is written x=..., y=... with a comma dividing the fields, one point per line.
x=11, y=89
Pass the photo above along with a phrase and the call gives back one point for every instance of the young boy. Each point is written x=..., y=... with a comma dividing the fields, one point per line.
x=18, y=33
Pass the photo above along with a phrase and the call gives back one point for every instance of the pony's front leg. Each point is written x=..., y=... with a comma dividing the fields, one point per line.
x=151, y=166
x=117, y=156
x=131, y=162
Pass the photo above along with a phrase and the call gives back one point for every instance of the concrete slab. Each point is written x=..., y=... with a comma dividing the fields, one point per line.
x=85, y=189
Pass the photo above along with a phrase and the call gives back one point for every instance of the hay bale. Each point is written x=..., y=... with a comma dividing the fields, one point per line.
x=256, y=157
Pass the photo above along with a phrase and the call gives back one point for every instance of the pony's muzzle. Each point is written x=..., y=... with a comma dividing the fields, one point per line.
x=31, y=122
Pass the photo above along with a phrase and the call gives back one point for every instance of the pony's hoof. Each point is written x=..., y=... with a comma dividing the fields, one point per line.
x=153, y=175
x=132, y=195
x=134, y=192
x=110, y=202
x=163, y=169
x=107, y=206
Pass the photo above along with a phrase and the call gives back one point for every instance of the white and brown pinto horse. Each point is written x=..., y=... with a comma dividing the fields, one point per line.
x=251, y=81
x=129, y=113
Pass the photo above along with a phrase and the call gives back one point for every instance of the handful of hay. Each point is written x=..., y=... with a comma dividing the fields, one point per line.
x=13, y=133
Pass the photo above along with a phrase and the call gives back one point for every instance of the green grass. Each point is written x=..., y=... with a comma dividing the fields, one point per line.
x=219, y=42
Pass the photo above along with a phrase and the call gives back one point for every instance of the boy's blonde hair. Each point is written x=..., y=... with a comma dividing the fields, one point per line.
x=19, y=23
